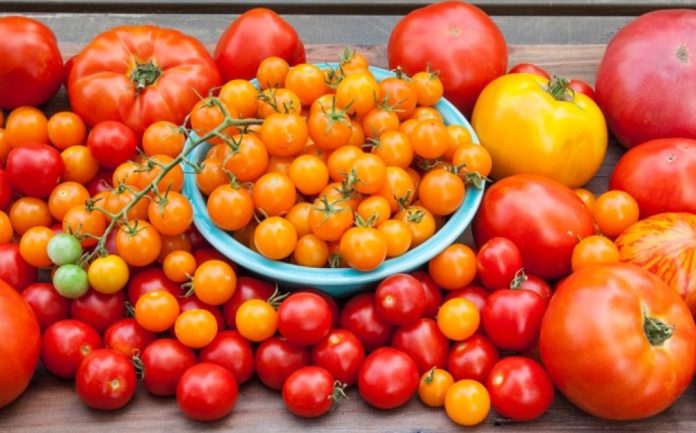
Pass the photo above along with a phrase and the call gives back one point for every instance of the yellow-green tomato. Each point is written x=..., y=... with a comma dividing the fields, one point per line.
x=108, y=274
x=531, y=125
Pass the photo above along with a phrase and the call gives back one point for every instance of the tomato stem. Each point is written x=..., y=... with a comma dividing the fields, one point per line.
x=656, y=330
x=558, y=88
x=144, y=74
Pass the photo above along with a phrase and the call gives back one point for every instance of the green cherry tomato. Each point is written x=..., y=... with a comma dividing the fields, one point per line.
x=70, y=281
x=64, y=248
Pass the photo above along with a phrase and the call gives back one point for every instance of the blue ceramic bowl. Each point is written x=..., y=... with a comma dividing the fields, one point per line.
x=336, y=282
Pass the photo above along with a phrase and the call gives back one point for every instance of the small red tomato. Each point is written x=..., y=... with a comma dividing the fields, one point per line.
x=531, y=282
x=475, y=294
x=433, y=293
x=100, y=183
x=112, y=143
x=341, y=353
x=388, y=378
x=106, y=380
x=46, y=303
x=520, y=388
x=5, y=190
x=582, y=87
x=497, y=262
x=423, y=341
x=206, y=392
x=309, y=392
x=512, y=318
x=127, y=337
x=528, y=68
x=333, y=306
x=65, y=344
x=304, y=318
x=34, y=169
x=164, y=361
x=360, y=317
x=231, y=351
x=14, y=270
x=247, y=288
x=150, y=280
x=98, y=309
x=276, y=359
x=400, y=299
x=472, y=358
x=189, y=303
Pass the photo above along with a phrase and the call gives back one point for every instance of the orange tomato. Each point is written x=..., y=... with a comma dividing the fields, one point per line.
x=179, y=266
x=163, y=138
x=65, y=196
x=214, y=282
x=453, y=268
x=28, y=212
x=80, y=165
x=33, y=246
x=156, y=311
x=66, y=129
x=26, y=125
x=138, y=243
x=85, y=224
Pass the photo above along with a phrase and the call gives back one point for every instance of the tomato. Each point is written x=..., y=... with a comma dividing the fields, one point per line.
x=247, y=288
x=179, y=266
x=528, y=68
x=275, y=238
x=476, y=294
x=256, y=320
x=572, y=124
x=306, y=81
x=594, y=250
x=6, y=231
x=472, y=158
x=545, y=233
x=309, y=392
x=341, y=354
x=400, y=299
x=647, y=326
x=150, y=280
x=164, y=361
x=70, y=281
x=32, y=246
x=105, y=380
x=65, y=344
x=274, y=194
x=250, y=160
x=232, y=352
x=444, y=36
x=309, y=174
x=614, y=211
x=66, y=129
x=398, y=236
x=311, y=251
x=341, y=161
x=48, y=306
x=14, y=270
x=171, y=215
x=628, y=87
x=5, y=190
x=531, y=282
x=214, y=282
x=441, y=191
x=430, y=139
x=156, y=311
x=420, y=221
x=195, y=328
x=241, y=96
x=671, y=164
x=388, y=378
x=86, y=224
x=458, y=319
x=206, y=392
x=329, y=128
x=356, y=93
x=432, y=292
x=520, y=389
x=363, y=248
x=139, y=75
x=359, y=316
x=28, y=212
x=163, y=138
x=304, y=318
x=65, y=196
x=21, y=345
x=253, y=36
x=284, y=134
x=32, y=69
x=108, y=274
x=400, y=94
x=329, y=220
x=433, y=387
x=276, y=359
x=467, y=402
x=152, y=167
x=453, y=268
x=583, y=87
x=34, y=169
x=497, y=262
x=423, y=342
x=272, y=71
x=187, y=303
x=512, y=318
x=98, y=309
x=472, y=358
x=138, y=243
x=26, y=125
x=127, y=337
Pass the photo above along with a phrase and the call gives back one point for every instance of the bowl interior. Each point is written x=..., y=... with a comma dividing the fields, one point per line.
x=341, y=281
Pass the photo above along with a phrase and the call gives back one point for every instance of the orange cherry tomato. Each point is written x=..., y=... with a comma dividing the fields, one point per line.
x=370, y=173
x=179, y=266
x=272, y=71
x=430, y=139
x=380, y=120
x=473, y=159
x=467, y=402
x=128, y=173
x=398, y=187
x=429, y=88
x=594, y=250
x=433, y=387
x=421, y=222
x=28, y=212
x=309, y=174
x=172, y=181
x=65, y=196
x=170, y=214
x=6, y=230
x=306, y=81
x=278, y=164
x=163, y=138
x=394, y=147
x=195, y=328
x=398, y=236
x=614, y=211
x=329, y=220
x=458, y=319
x=272, y=101
x=311, y=251
x=33, y=246
x=363, y=248
x=66, y=129
x=285, y=134
x=427, y=114
x=299, y=217
x=230, y=207
x=80, y=165
x=138, y=243
x=460, y=136
x=274, y=194
x=587, y=197
x=256, y=320
x=206, y=116
x=210, y=176
x=214, y=282
x=375, y=208
x=156, y=311
x=26, y=125
x=341, y=161
x=241, y=95
x=85, y=224
x=275, y=238
x=329, y=128
x=356, y=93
x=441, y=191
x=170, y=244
x=248, y=159
x=400, y=95
x=117, y=199
x=453, y=268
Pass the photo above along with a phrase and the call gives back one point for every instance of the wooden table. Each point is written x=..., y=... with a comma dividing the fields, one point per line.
x=565, y=36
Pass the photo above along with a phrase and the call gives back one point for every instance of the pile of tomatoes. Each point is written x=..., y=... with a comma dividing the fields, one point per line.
x=342, y=166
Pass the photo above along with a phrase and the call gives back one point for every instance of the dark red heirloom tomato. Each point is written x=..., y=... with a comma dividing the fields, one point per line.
x=106, y=380
x=127, y=337
x=164, y=361
x=360, y=317
x=206, y=392
x=46, y=303
x=472, y=358
x=309, y=392
x=65, y=344
x=231, y=351
x=276, y=359
x=341, y=353
x=400, y=299
x=388, y=378
x=423, y=341
x=34, y=169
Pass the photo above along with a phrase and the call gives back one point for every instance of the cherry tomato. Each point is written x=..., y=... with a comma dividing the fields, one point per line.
x=532, y=282
x=467, y=402
x=195, y=328
x=430, y=139
x=432, y=292
x=105, y=380
x=179, y=266
x=581, y=87
x=329, y=128
x=458, y=319
x=276, y=359
x=272, y=71
x=586, y=196
x=86, y=225
x=188, y=303
x=309, y=392
x=528, y=68
x=388, y=378
x=28, y=212
x=400, y=299
x=285, y=134
x=66, y=129
x=164, y=361
x=34, y=169
x=112, y=143
x=472, y=358
x=475, y=294
x=33, y=246
x=127, y=337
x=306, y=81
x=398, y=236
x=428, y=86
x=497, y=262
x=150, y=280
x=341, y=161
x=433, y=386
x=520, y=388
x=309, y=174
x=172, y=214
x=214, y=282
x=163, y=138
x=138, y=243
x=14, y=270
x=275, y=238
x=256, y=320
x=247, y=288
x=453, y=268
x=108, y=274
x=356, y=93
x=64, y=196
x=423, y=342
x=48, y=306
x=400, y=94
x=360, y=317
x=441, y=191
x=594, y=250
x=363, y=248
x=512, y=318
x=206, y=392
x=65, y=344
x=614, y=211
x=241, y=96
x=98, y=309
x=156, y=311
x=304, y=318
x=472, y=158
x=311, y=251
x=329, y=218
x=341, y=354
x=233, y=352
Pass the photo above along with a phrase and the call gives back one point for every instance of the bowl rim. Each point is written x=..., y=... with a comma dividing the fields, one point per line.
x=326, y=277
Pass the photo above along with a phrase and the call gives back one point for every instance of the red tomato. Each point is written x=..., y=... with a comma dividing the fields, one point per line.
x=164, y=361
x=100, y=183
x=671, y=183
x=139, y=75
x=635, y=353
x=150, y=280
x=432, y=292
x=5, y=190
x=188, y=303
x=48, y=306
x=423, y=341
x=475, y=294
x=99, y=310
x=14, y=270
x=360, y=317
x=637, y=95
x=34, y=169
x=206, y=392
x=19, y=346
x=535, y=284
x=333, y=306
x=304, y=318
x=32, y=67
x=127, y=337
x=388, y=378
x=512, y=318
x=309, y=392
x=580, y=86
x=233, y=352
x=65, y=344
x=256, y=34
x=542, y=217
x=520, y=388
x=341, y=353
x=112, y=143
x=247, y=288
x=276, y=359
x=528, y=68
x=105, y=380
x=400, y=299
x=498, y=261
x=472, y=358
x=444, y=36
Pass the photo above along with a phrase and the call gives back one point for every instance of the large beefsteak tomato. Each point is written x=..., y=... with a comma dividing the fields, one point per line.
x=665, y=244
x=139, y=75
x=646, y=81
x=456, y=39
x=618, y=342
x=19, y=346
x=542, y=217
x=660, y=175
